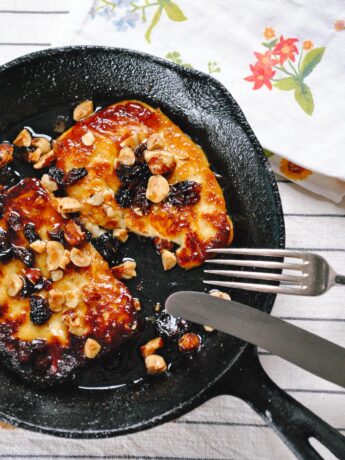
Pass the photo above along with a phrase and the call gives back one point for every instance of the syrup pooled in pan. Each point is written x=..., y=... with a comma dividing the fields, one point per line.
x=152, y=286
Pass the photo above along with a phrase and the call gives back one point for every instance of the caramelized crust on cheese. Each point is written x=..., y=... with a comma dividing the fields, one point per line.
x=96, y=305
x=194, y=228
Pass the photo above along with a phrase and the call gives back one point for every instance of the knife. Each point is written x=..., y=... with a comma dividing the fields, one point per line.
x=308, y=351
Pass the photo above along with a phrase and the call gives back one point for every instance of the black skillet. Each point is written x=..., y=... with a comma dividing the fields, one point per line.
x=35, y=89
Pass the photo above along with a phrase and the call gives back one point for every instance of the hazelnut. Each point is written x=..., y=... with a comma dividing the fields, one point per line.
x=208, y=328
x=74, y=322
x=157, y=189
x=45, y=160
x=121, y=234
x=82, y=110
x=48, y=183
x=38, y=246
x=137, y=211
x=160, y=161
x=68, y=205
x=88, y=139
x=55, y=254
x=56, y=299
x=220, y=294
x=136, y=304
x=155, y=364
x=79, y=258
x=168, y=259
x=126, y=156
x=56, y=275
x=23, y=139
x=91, y=348
x=74, y=234
x=96, y=199
x=35, y=155
x=42, y=143
x=72, y=299
x=94, y=229
x=150, y=347
x=109, y=211
x=131, y=141
x=158, y=306
x=65, y=259
x=189, y=342
x=6, y=154
x=126, y=270
x=15, y=286
x=155, y=141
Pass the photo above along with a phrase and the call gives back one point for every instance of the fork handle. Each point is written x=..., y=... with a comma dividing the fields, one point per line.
x=339, y=279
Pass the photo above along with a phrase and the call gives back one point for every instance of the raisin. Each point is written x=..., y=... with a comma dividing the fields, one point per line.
x=169, y=326
x=139, y=151
x=56, y=174
x=5, y=245
x=131, y=174
x=39, y=309
x=74, y=175
x=8, y=176
x=23, y=254
x=184, y=193
x=79, y=222
x=124, y=196
x=139, y=199
x=29, y=288
x=30, y=233
x=108, y=247
x=14, y=221
x=57, y=234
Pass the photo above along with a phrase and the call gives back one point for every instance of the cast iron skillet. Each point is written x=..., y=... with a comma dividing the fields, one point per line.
x=37, y=87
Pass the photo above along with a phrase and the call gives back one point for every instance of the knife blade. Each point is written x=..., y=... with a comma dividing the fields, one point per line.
x=308, y=351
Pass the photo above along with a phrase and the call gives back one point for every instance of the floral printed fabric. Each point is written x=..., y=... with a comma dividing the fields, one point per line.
x=282, y=61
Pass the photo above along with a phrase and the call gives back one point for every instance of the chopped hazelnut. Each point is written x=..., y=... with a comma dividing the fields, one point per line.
x=158, y=306
x=74, y=322
x=220, y=294
x=72, y=299
x=91, y=348
x=208, y=328
x=155, y=364
x=15, y=286
x=35, y=155
x=38, y=246
x=68, y=205
x=126, y=156
x=23, y=139
x=155, y=141
x=65, y=259
x=137, y=211
x=96, y=199
x=56, y=275
x=157, y=189
x=79, y=258
x=159, y=161
x=45, y=160
x=82, y=110
x=56, y=299
x=6, y=154
x=109, y=211
x=121, y=234
x=150, y=347
x=168, y=259
x=55, y=254
x=136, y=304
x=94, y=229
x=88, y=139
x=131, y=141
x=48, y=183
x=42, y=143
x=126, y=270
x=74, y=234
x=189, y=342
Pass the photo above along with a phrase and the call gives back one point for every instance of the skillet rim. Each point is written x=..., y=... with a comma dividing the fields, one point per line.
x=241, y=120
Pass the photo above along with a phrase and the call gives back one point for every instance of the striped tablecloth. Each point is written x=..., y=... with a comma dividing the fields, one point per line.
x=224, y=428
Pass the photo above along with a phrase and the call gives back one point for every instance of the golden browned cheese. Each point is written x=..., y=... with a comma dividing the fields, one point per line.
x=103, y=310
x=194, y=228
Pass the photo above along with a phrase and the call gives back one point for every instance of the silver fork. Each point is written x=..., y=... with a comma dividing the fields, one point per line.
x=311, y=274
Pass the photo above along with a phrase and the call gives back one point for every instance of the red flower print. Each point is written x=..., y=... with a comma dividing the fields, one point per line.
x=286, y=49
x=266, y=59
x=261, y=76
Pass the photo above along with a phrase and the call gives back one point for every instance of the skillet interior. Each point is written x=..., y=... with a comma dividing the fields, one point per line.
x=33, y=90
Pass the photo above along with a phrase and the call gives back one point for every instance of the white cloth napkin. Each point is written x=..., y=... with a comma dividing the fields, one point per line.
x=298, y=108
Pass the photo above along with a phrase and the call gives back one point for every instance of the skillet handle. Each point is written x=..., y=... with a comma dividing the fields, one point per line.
x=293, y=422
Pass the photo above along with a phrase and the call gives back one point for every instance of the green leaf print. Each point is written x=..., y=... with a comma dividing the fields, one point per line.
x=304, y=98
x=286, y=84
x=173, y=11
x=154, y=22
x=311, y=60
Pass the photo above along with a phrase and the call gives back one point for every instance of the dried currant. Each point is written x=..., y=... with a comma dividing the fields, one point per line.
x=14, y=221
x=56, y=174
x=184, y=193
x=108, y=247
x=169, y=326
x=74, y=175
x=139, y=151
x=57, y=234
x=130, y=174
x=30, y=233
x=124, y=196
x=29, y=288
x=23, y=254
x=139, y=199
x=5, y=245
x=39, y=309
x=8, y=176
x=79, y=222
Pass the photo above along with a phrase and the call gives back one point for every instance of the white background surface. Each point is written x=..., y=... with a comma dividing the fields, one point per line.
x=224, y=428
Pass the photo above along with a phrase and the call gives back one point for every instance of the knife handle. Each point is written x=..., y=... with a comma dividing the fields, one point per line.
x=293, y=422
